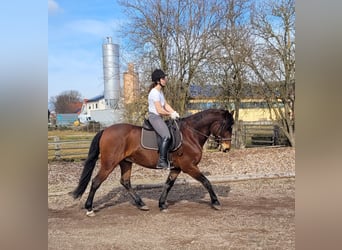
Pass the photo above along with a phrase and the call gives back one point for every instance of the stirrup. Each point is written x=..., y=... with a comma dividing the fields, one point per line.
x=161, y=167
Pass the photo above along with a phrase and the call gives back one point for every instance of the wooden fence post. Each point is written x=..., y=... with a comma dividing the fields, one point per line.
x=276, y=135
x=57, y=148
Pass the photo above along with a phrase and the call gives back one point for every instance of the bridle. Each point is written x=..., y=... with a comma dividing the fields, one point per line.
x=215, y=137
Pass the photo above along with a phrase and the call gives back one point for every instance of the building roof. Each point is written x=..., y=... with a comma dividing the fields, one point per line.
x=248, y=90
x=95, y=98
x=206, y=91
x=75, y=107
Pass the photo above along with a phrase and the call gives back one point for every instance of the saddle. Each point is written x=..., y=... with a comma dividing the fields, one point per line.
x=150, y=139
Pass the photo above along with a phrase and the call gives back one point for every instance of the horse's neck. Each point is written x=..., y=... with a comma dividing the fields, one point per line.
x=206, y=123
x=203, y=126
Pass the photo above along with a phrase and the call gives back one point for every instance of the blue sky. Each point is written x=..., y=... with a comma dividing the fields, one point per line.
x=77, y=30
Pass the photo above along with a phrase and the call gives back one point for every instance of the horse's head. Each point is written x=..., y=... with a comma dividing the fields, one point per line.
x=223, y=129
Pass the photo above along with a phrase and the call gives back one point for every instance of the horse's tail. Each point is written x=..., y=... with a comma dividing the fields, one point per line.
x=89, y=166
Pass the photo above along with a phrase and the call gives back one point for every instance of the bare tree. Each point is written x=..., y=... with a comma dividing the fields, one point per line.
x=174, y=36
x=273, y=59
x=229, y=69
x=66, y=102
x=232, y=36
x=229, y=43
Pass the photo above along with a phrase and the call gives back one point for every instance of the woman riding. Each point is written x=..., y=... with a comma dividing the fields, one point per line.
x=157, y=108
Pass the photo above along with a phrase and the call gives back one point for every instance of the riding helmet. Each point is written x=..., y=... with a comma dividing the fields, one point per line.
x=157, y=74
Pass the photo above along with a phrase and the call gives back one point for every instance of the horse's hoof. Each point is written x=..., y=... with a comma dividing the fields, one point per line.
x=165, y=210
x=216, y=207
x=163, y=207
x=90, y=213
x=144, y=208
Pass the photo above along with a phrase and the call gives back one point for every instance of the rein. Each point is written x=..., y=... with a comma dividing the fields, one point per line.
x=219, y=138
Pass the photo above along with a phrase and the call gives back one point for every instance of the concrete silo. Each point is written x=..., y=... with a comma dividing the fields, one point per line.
x=106, y=108
x=111, y=73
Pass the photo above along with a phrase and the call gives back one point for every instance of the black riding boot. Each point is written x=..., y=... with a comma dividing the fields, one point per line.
x=163, y=149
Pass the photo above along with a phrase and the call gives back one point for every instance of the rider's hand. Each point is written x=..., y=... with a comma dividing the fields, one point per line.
x=174, y=115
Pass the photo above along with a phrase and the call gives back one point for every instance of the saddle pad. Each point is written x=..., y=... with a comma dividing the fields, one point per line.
x=149, y=140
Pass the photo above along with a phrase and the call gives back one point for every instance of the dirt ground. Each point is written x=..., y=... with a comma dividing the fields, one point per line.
x=257, y=213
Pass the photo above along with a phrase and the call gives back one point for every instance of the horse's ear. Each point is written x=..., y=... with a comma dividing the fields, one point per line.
x=232, y=112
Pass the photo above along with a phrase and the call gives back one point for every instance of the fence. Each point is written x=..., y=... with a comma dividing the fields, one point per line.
x=256, y=134
x=89, y=127
x=75, y=147
x=245, y=134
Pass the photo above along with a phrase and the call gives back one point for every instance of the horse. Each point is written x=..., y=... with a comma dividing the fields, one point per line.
x=120, y=145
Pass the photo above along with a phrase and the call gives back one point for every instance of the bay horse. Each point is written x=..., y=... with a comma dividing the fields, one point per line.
x=120, y=145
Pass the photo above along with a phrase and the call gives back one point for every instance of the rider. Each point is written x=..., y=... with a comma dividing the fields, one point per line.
x=158, y=107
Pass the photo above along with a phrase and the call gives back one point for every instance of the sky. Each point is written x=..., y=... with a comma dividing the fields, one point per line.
x=76, y=32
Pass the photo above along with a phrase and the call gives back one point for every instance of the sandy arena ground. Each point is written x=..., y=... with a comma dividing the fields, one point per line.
x=256, y=188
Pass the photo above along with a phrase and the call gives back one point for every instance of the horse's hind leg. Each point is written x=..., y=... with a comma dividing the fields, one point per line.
x=126, y=169
x=167, y=187
x=105, y=169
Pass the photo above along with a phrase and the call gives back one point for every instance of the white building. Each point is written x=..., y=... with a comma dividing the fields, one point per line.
x=95, y=103
x=94, y=109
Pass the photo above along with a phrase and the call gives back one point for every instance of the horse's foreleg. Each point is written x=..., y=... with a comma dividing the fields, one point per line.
x=167, y=187
x=126, y=169
x=206, y=183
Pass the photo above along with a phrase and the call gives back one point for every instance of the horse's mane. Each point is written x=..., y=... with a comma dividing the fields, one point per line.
x=204, y=113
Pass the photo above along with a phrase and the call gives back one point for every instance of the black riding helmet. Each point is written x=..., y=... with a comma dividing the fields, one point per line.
x=157, y=74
